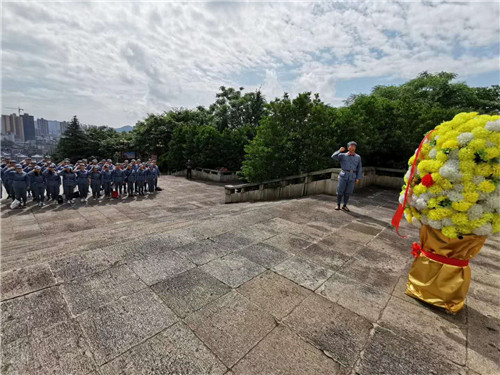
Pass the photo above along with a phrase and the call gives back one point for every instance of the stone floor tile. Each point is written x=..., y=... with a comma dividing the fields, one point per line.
x=84, y=264
x=23, y=315
x=264, y=254
x=233, y=270
x=231, y=326
x=204, y=251
x=288, y=242
x=387, y=353
x=365, y=227
x=283, y=352
x=101, y=288
x=25, y=280
x=303, y=272
x=114, y=328
x=161, y=266
x=232, y=241
x=340, y=245
x=190, y=291
x=175, y=350
x=324, y=255
x=61, y=349
x=359, y=298
x=354, y=236
x=330, y=327
x=273, y=293
x=375, y=269
x=483, y=342
x=422, y=325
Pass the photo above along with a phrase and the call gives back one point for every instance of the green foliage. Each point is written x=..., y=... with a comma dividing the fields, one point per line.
x=73, y=143
x=289, y=136
x=295, y=137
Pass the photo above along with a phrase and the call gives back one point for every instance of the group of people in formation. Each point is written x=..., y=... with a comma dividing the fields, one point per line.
x=44, y=179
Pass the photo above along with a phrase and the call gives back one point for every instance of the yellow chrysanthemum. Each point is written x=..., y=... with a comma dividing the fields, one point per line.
x=480, y=132
x=449, y=232
x=484, y=169
x=471, y=197
x=459, y=218
x=439, y=213
x=492, y=152
x=477, y=144
x=419, y=189
x=486, y=186
x=461, y=206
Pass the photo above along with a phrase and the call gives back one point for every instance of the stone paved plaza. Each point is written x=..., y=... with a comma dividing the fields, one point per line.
x=179, y=283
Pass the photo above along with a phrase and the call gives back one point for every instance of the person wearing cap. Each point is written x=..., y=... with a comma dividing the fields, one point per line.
x=20, y=184
x=107, y=179
x=111, y=166
x=157, y=171
x=140, y=179
x=53, y=182
x=351, y=173
x=150, y=178
x=7, y=172
x=69, y=183
x=83, y=181
x=130, y=179
x=95, y=181
x=118, y=178
x=37, y=183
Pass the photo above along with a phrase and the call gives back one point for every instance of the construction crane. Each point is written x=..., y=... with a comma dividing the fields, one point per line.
x=19, y=109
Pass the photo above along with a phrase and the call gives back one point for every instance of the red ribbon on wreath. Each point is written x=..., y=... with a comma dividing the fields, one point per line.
x=396, y=219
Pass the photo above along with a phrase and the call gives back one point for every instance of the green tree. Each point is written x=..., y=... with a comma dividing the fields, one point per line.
x=295, y=137
x=74, y=143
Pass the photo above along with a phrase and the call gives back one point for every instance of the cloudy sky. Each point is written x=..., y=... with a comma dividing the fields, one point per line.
x=111, y=63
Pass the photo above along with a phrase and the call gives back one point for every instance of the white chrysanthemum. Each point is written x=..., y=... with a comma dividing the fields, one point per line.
x=493, y=126
x=475, y=212
x=424, y=220
x=477, y=179
x=490, y=144
x=493, y=202
x=401, y=198
x=447, y=222
x=436, y=137
x=484, y=230
x=455, y=196
x=464, y=138
x=416, y=222
x=433, y=153
x=436, y=224
x=420, y=202
x=451, y=171
x=453, y=155
x=407, y=175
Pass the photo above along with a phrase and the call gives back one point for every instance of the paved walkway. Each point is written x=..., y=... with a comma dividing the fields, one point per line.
x=180, y=283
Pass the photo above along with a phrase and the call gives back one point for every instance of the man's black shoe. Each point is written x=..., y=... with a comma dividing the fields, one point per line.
x=345, y=208
x=338, y=208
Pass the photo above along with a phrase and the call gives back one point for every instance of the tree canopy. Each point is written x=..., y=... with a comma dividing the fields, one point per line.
x=243, y=132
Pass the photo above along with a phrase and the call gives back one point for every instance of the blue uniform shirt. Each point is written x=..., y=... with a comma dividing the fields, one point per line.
x=349, y=162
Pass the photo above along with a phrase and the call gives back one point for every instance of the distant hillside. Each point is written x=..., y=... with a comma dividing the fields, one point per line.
x=125, y=128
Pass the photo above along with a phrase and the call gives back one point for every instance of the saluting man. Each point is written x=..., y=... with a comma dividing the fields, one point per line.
x=351, y=173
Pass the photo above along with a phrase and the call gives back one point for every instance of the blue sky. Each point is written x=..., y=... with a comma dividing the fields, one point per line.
x=113, y=62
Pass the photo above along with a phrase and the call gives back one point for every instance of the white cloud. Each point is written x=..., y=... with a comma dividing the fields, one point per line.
x=111, y=63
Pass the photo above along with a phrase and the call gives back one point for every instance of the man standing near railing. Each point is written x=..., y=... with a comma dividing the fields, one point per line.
x=351, y=173
x=189, y=166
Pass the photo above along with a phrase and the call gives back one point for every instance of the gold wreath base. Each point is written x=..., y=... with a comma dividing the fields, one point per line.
x=439, y=284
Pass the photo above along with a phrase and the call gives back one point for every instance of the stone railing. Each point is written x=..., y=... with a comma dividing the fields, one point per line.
x=208, y=174
x=312, y=183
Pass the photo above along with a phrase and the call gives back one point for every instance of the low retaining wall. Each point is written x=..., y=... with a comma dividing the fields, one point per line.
x=318, y=182
x=208, y=175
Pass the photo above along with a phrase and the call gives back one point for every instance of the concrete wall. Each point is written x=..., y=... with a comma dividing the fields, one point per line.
x=208, y=175
x=318, y=182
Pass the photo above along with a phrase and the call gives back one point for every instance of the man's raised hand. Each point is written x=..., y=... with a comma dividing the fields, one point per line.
x=342, y=149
